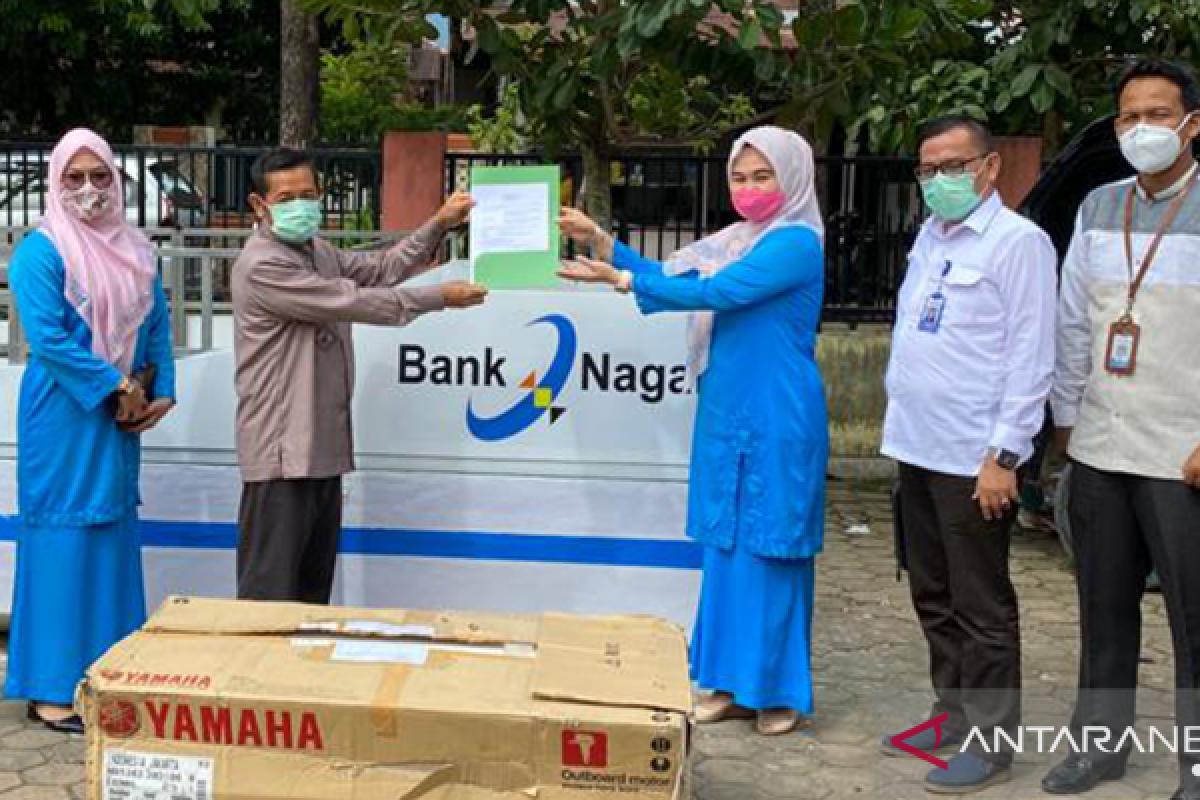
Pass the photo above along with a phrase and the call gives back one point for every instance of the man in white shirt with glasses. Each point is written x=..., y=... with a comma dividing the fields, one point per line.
x=971, y=366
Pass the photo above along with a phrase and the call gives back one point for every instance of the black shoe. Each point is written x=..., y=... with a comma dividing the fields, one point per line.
x=1079, y=774
x=72, y=724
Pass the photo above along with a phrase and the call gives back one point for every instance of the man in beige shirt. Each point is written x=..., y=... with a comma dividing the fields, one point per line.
x=295, y=297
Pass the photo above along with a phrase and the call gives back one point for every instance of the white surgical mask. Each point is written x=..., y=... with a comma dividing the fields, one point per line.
x=1152, y=148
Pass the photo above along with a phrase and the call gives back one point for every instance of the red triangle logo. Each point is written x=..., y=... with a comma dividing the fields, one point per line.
x=899, y=741
x=530, y=382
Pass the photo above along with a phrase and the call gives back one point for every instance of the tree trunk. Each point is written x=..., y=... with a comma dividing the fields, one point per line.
x=299, y=77
x=597, y=183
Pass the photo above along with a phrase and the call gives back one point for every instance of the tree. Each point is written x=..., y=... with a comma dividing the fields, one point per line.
x=596, y=75
x=300, y=71
x=885, y=65
x=1043, y=67
x=111, y=64
x=1059, y=59
x=365, y=89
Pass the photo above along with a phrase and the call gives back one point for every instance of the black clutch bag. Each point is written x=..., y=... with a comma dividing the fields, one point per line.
x=143, y=377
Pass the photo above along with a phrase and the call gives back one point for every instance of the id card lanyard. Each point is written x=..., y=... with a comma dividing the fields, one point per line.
x=1125, y=334
x=935, y=305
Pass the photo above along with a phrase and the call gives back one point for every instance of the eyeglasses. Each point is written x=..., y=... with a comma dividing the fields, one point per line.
x=951, y=169
x=101, y=178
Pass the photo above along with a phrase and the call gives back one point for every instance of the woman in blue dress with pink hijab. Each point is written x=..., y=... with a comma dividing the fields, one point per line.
x=94, y=314
x=760, y=444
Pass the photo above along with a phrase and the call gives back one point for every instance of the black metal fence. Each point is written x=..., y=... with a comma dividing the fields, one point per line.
x=660, y=202
x=871, y=206
x=194, y=187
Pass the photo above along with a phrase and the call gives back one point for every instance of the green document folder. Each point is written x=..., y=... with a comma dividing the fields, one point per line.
x=510, y=248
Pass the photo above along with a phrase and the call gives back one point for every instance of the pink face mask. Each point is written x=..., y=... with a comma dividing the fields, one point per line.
x=757, y=205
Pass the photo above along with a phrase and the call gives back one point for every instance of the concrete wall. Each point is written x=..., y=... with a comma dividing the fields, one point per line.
x=852, y=365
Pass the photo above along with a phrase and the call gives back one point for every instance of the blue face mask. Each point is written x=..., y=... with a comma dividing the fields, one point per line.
x=296, y=221
x=951, y=198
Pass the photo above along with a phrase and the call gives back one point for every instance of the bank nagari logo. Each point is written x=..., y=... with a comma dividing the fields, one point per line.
x=541, y=393
x=483, y=372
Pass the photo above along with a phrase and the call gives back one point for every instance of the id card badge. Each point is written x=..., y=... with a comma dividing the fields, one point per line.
x=1123, y=338
x=931, y=313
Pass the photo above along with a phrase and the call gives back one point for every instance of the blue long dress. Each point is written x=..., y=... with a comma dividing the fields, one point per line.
x=79, y=572
x=756, y=490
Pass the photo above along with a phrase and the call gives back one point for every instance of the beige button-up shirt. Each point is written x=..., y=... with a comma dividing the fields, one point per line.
x=293, y=307
x=1148, y=423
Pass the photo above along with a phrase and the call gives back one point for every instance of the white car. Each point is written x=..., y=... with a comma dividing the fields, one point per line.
x=157, y=193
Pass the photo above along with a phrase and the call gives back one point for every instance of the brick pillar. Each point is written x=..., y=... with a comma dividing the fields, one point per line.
x=1021, y=167
x=413, y=176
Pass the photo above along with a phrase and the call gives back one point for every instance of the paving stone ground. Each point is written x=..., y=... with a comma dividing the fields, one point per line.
x=871, y=671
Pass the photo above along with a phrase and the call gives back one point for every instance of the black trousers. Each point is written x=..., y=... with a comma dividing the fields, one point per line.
x=288, y=542
x=966, y=603
x=1123, y=526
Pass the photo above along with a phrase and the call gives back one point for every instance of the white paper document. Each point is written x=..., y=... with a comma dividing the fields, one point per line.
x=376, y=651
x=375, y=627
x=510, y=218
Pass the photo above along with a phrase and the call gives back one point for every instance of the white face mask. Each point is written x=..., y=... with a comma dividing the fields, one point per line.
x=1152, y=148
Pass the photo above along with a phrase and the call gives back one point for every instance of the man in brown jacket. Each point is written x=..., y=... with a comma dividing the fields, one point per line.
x=295, y=297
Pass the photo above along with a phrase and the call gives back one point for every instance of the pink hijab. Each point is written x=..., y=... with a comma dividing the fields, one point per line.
x=110, y=264
x=795, y=168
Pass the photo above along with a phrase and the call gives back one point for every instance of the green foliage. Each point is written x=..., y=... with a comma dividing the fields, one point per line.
x=360, y=89
x=412, y=117
x=111, y=64
x=857, y=63
x=150, y=17
x=1048, y=66
x=684, y=109
x=1059, y=60
x=614, y=72
x=364, y=91
x=902, y=104
x=505, y=131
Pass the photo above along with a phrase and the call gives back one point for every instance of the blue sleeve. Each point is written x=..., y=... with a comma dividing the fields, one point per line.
x=626, y=258
x=782, y=261
x=159, y=352
x=37, y=276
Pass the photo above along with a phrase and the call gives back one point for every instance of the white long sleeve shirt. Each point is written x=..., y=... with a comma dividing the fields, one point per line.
x=1148, y=423
x=981, y=380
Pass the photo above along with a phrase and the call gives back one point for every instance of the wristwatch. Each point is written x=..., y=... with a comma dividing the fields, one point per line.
x=1007, y=459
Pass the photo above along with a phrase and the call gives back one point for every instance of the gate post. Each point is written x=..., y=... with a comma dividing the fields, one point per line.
x=414, y=176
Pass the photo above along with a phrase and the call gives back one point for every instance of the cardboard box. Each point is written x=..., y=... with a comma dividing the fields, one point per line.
x=227, y=700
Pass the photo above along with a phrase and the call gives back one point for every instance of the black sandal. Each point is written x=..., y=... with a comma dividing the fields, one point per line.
x=72, y=724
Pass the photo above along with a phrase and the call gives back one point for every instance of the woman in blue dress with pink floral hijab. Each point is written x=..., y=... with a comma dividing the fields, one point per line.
x=94, y=313
x=761, y=441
